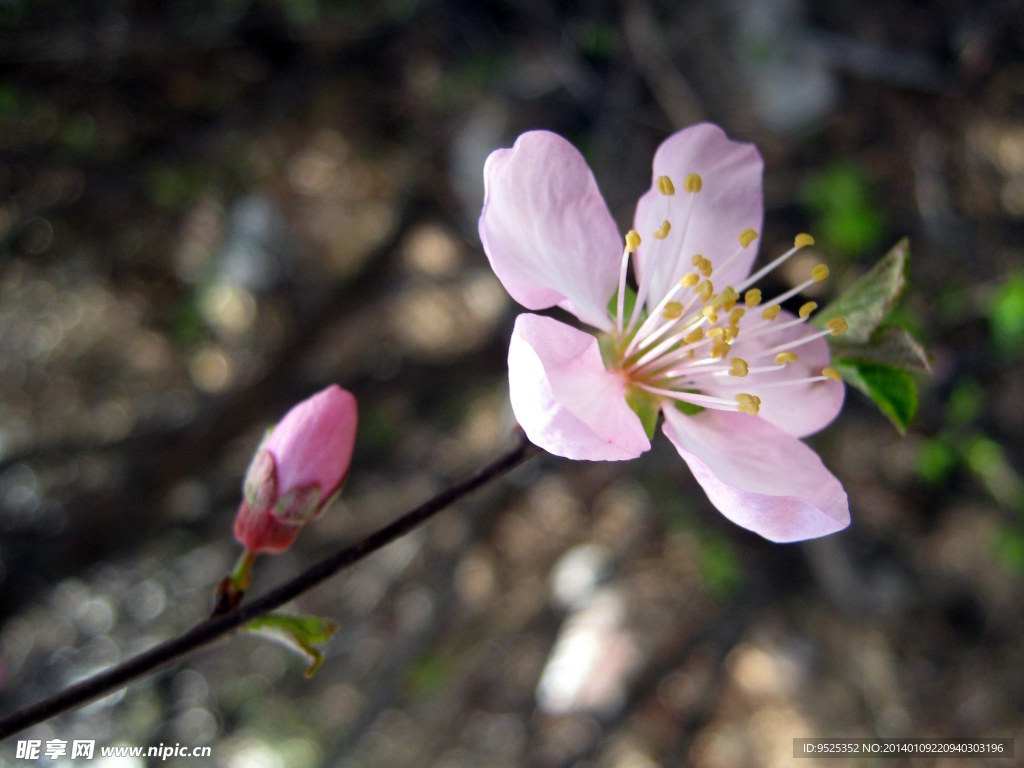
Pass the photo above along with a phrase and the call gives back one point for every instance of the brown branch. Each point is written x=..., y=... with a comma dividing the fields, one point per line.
x=216, y=627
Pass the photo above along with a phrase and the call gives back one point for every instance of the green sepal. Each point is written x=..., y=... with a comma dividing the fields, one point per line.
x=629, y=301
x=646, y=406
x=867, y=302
x=690, y=409
x=301, y=633
x=892, y=390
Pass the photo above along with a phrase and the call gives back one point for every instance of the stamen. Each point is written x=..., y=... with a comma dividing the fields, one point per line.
x=719, y=349
x=735, y=315
x=784, y=358
x=632, y=240
x=740, y=367
x=694, y=336
x=772, y=312
x=693, y=183
x=800, y=241
x=752, y=297
x=831, y=373
x=747, y=236
x=819, y=273
x=662, y=232
x=707, y=401
x=689, y=280
x=672, y=310
x=665, y=186
x=748, y=403
x=704, y=290
x=837, y=325
x=704, y=266
x=806, y=309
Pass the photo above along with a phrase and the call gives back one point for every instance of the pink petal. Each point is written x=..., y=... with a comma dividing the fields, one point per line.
x=758, y=476
x=799, y=409
x=313, y=443
x=546, y=229
x=563, y=397
x=729, y=202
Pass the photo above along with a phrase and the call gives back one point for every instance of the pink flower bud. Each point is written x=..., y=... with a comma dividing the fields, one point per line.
x=297, y=470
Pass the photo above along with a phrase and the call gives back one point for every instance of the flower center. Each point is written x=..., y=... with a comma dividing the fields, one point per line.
x=700, y=339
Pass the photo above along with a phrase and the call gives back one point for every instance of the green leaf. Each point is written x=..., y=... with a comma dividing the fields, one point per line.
x=892, y=390
x=646, y=406
x=301, y=633
x=888, y=345
x=847, y=217
x=866, y=303
x=1006, y=314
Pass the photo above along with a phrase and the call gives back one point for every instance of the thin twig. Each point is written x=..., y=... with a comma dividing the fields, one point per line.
x=216, y=627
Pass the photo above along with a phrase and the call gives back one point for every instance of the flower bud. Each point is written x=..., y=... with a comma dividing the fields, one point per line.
x=299, y=467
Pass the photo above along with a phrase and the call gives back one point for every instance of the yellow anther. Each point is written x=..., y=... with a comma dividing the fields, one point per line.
x=672, y=310
x=819, y=273
x=702, y=264
x=747, y=236
x=837, y=325
x=632, y=240
x=693, y=182
x=731, y=332
x=748, y=403
x=806, y=309
x=771, y=313
x=739, y=367
x=785, y=358
x=803, y=240
x=704, y=290
x=752, y=297
x=715, y=333
x=694, y=336
x=689, y=280
x=831, y=373
x=665, y=186
x=735, y=315
x=719, y=349
x=709, y=313
x=662, y=232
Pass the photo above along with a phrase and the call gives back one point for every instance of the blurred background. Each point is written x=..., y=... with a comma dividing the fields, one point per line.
x=209, y=211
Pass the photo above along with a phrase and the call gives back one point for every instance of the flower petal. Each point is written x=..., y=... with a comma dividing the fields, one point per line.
x=546, y=229
x=758, y=476
x=799, y=409
x=563, y=397
x=729, y=202
x=313, y=443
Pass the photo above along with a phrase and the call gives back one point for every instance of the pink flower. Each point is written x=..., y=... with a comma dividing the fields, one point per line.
x=737, y=380
x=297, y=470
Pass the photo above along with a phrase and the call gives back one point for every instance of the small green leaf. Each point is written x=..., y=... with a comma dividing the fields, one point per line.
x=300, y=633
x=936, y=460
x=1006, y=314
x=892, y=390
x=646, y=406
x=1009, y=547
x=866, y=303
x=888, y=345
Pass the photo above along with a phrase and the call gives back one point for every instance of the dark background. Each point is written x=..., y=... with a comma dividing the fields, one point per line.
x=210, y=211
